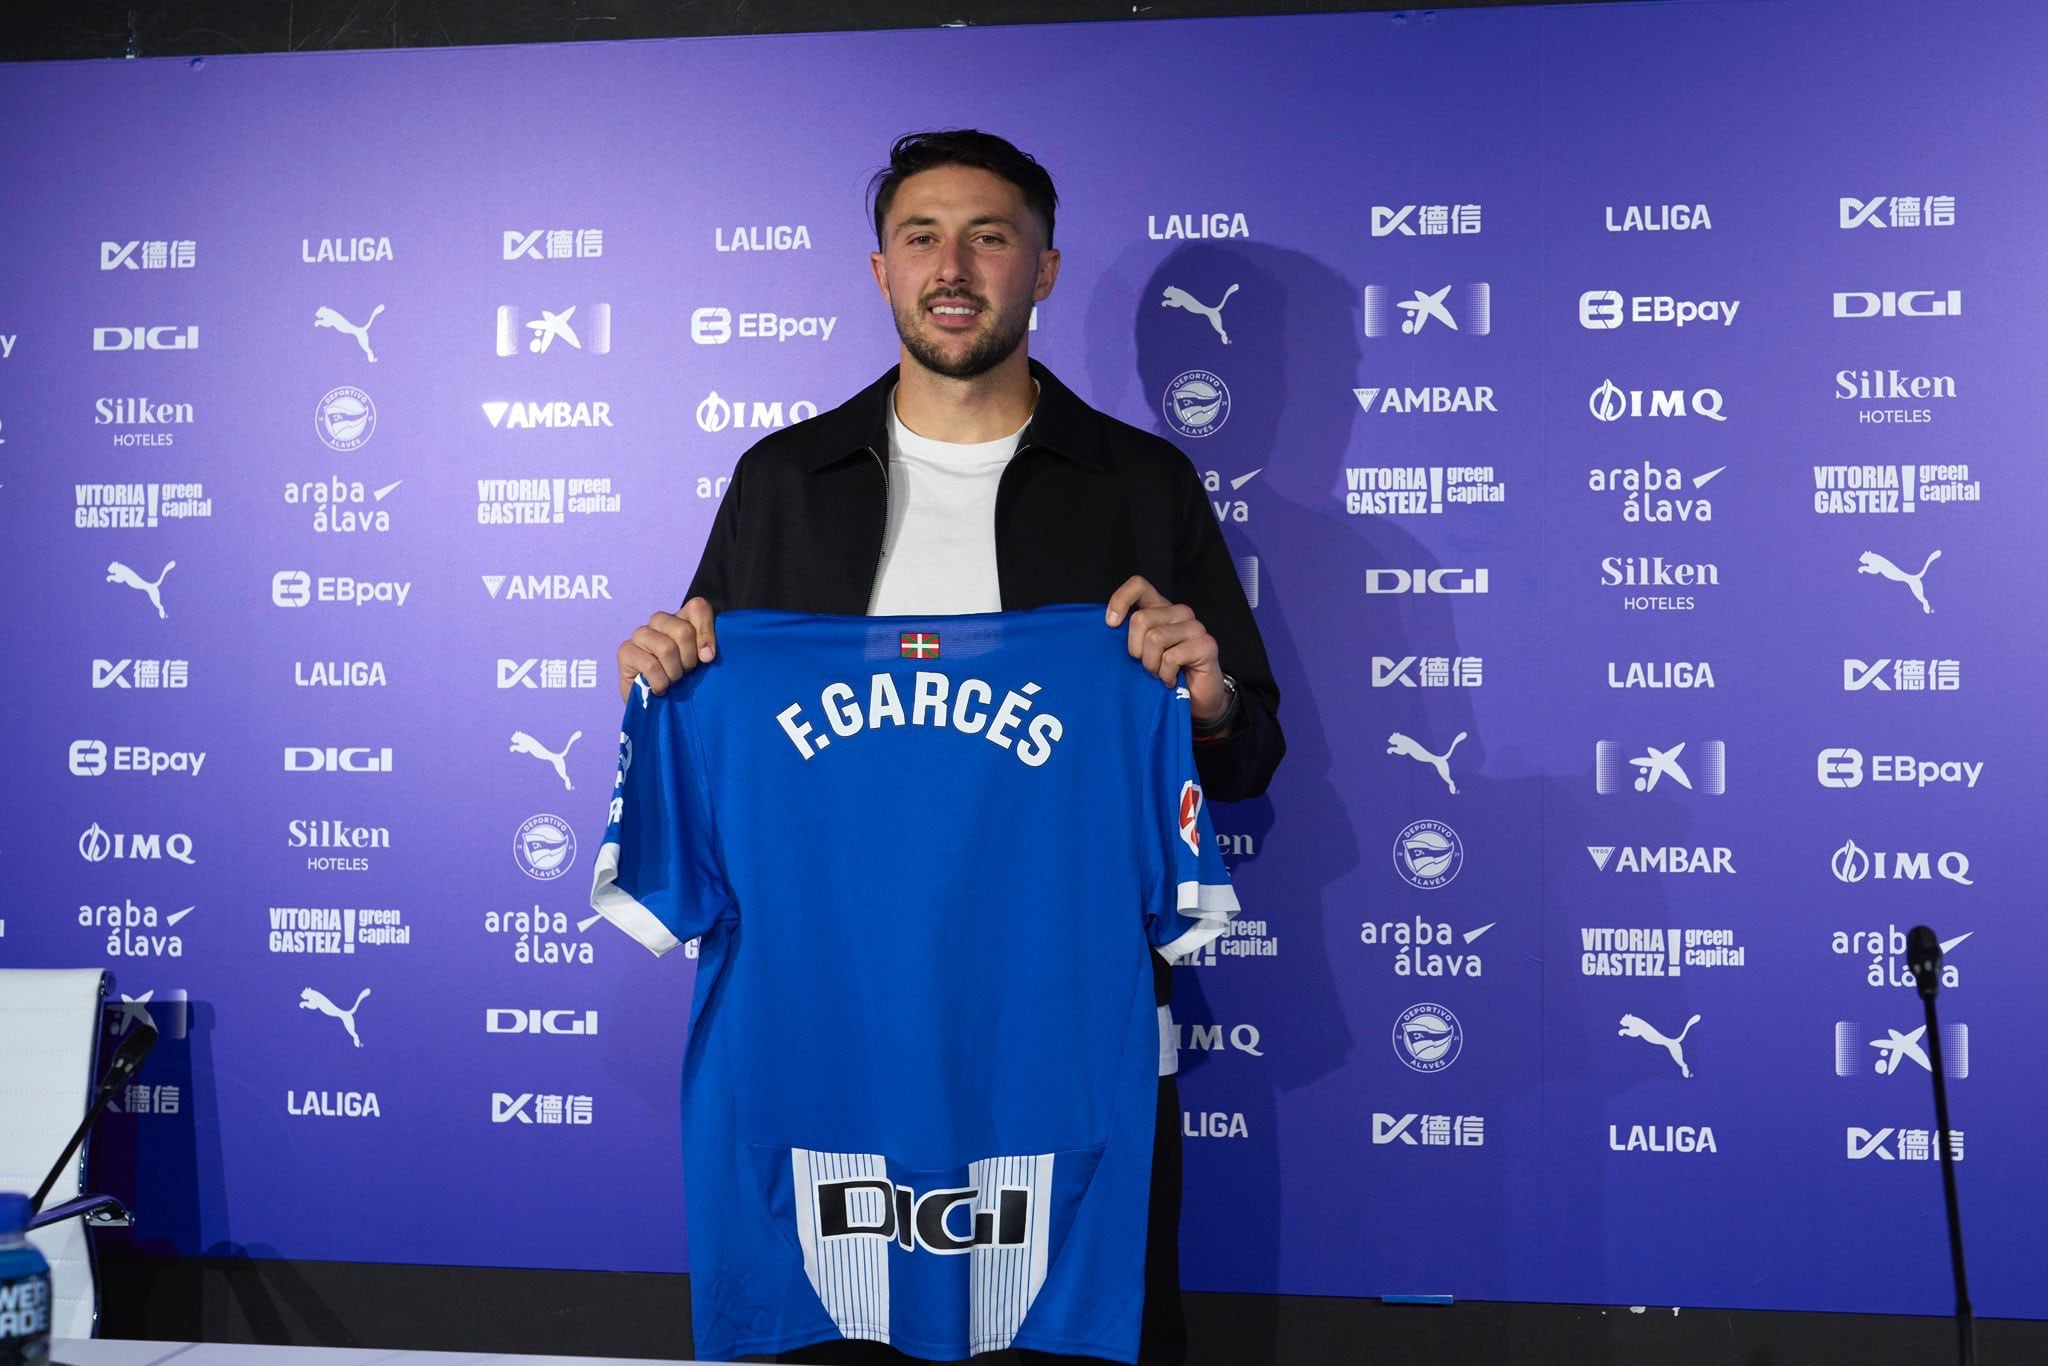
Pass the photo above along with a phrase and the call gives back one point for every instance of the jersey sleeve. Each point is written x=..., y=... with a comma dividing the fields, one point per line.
x=1198, y=900
x=659, y=877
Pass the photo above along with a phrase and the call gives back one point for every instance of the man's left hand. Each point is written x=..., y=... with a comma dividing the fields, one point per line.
x=1169, y=640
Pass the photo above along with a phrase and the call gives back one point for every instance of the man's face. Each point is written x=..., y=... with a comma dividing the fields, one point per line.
x=962, y=261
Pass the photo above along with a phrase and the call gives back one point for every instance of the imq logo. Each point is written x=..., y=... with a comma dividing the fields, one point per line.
x=582, y=1023
x=1853, y=863
x=1611, y=403
x=1896, y=303
x=716, y=414
x=1442, y=580
x=165, y=338
x=336, y=759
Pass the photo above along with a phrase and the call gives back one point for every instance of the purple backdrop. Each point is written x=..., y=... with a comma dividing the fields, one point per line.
x=1432, y=498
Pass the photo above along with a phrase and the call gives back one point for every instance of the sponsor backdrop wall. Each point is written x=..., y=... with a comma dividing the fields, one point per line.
x=1620, y=417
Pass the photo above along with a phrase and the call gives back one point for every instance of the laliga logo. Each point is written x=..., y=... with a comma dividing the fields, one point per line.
x=330, y=759
x=1890, y=303
x=146, y=338
x=500, y=1021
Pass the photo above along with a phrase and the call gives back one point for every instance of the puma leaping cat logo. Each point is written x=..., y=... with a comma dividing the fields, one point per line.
x=121, y=573
x=1397, y=743
x=522, y=743
x=327, y=317
x=310, y=999
x=1177, y=297
x=1870, y=562
x=1633, y=1027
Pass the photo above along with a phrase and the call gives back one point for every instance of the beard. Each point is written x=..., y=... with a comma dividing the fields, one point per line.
x=989, y=350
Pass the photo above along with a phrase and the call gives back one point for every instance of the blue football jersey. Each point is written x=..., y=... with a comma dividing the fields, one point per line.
x=927, y=860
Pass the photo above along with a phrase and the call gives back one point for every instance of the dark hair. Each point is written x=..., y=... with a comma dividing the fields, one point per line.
x=916, y=152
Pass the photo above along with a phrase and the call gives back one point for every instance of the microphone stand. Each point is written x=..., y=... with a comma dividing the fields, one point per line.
x=1928, y=984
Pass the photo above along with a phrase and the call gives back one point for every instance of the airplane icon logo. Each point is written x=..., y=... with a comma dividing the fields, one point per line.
x=1896, y=1049
x=554, y=325
x=1467, y=309
x=1610, y=765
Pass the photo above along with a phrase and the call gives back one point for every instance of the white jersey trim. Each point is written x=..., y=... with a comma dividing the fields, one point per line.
x=615, y=904
x=1210, y=905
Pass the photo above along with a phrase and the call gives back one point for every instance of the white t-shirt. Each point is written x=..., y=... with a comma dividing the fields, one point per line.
x=939, y=551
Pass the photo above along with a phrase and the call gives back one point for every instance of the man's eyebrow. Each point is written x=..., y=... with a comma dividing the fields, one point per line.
x=985, y=220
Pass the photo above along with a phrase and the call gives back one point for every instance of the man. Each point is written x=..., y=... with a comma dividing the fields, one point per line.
x=969, y=479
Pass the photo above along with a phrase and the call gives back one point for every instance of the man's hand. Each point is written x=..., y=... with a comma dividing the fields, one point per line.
x=1168, y=639
x=669, y=646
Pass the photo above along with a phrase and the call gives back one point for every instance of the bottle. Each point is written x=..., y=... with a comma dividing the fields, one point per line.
x=24, y=1290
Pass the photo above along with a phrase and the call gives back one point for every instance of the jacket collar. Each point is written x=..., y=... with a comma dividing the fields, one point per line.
x=1061, y=423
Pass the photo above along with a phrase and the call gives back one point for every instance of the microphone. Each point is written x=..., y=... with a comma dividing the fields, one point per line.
x=1923, y=956
x=127, y=1061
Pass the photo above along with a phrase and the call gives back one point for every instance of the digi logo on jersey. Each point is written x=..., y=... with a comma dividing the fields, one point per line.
x=297, y=588
x=167, y=337
x=333, y=759
x=1426, y=220
x=180, y=255
x=554, y=244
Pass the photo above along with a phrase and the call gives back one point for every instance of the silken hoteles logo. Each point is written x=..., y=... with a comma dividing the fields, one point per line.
x=554, y=244
x=1434, y=398
x=1428, y=1037
x=1196, y=227
x=1898, y=303
x=345, y=418
x=1429, y=1131
x=337, y=759
x=331, y=930
x=580, y=1024
x=547, y=674
x=153, y=589
x=96, y=845
x=511, y=416
x=135, y=507
x=1427, y=220
x=715, y=325
x=1611, y=403
x=1444, y=579
x=768, y=237
x=1891, y=489
x=1902, y=675
x=541, y=502
x=1637, y=572
x=1892, y=386
x=1660, y=673
x=360, y=332
x=311, y=999
x=1636, y=1027
x=1870, y=562
x=1426, y=948
x=1899, y=211
x=92, y=758
x=1176, y=297
x=297, y=588
x=1851, y=863
x=1886, y=950
x=1410, y=748
x=1843, y=768
x=1196, y=403
x=141, y=673
x=1419, y=490
x=544, y=847
x=1613, y=762
x=547, y=587
x=1663, y=859
x=163, y=337
x=717, y=413
x=1453, y=308
x=1604, y=310
x=344, y=251
x=1856, y=1053
x=522, y=743
x=579, y=327
x=545, y=937
x=1660, y=218
x=173, y=255
x=1428, y=854
x=1902, y=1145
x=1632, y=951
x=353, y=842
x=529, y=1107
x=139, y=411
x=1428, y=671
x=338, y=504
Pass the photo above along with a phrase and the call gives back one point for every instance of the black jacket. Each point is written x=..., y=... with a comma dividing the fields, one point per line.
x=1087, y=502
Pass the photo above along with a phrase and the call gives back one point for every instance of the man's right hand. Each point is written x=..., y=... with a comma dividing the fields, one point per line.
x=667, y=647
